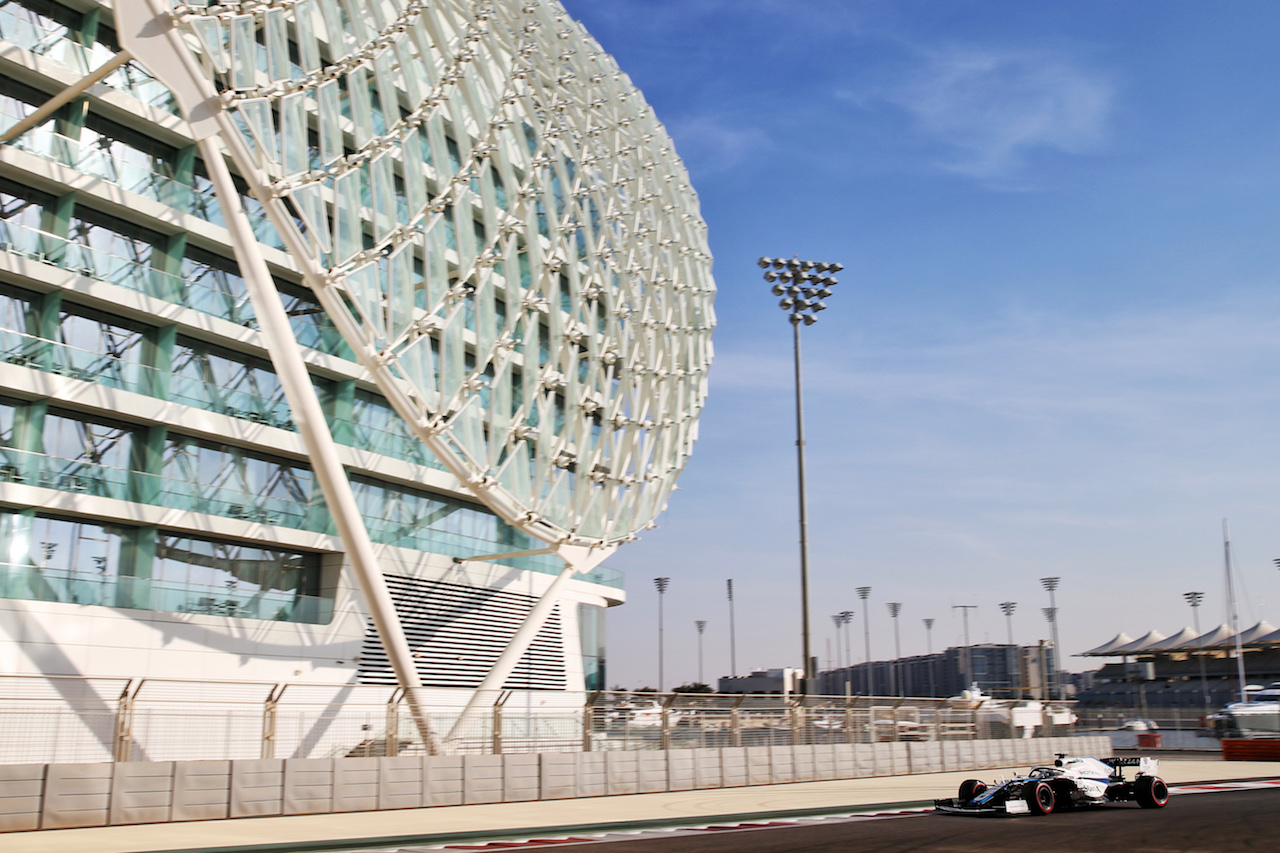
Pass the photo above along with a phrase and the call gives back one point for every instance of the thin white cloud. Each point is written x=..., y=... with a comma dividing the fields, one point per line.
x=710, y=143
x=991, y=110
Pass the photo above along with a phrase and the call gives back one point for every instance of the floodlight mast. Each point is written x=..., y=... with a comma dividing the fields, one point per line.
x=802, y=285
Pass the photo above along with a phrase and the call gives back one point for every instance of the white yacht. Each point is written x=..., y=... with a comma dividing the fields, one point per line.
x=1258, y=716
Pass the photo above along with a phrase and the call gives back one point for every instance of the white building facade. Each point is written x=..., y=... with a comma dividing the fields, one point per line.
x=160, y=515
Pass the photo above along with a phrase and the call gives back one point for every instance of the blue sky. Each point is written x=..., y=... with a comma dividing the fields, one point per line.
x=1054, y=347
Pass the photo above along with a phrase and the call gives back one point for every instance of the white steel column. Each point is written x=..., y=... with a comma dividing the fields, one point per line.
x=148, y=34
x=330, y=475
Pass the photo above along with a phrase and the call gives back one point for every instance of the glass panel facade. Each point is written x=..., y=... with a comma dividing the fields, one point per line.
x=240, y=580
x=229, y=481
x=591, y=626
x=50, y=559
x=230, y=383
x=376, y=426
x=77, y=562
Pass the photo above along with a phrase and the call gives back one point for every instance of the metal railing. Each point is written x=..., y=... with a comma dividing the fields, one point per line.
x=1174, y=727
x=59, y=719
x=55, y=42
x=219, y=295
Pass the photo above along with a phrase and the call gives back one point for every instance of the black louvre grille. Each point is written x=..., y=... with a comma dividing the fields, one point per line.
x=457, y=632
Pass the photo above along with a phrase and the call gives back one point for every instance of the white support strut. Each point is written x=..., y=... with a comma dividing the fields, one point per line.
x=162, y=47
x=576, y=560
x=314, y=429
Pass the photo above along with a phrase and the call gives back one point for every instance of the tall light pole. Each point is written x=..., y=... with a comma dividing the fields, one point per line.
x=1051, y=584
x=1194, y=599
x=838, y=620
x=864, y=592
x=847, y=616
x=1007, y=608
x=928, y=638
x=1051, y=616
x=967, y=657
x=661, y=584
x=701, y=625
x=733, y=641
x=802, y=285
x=895, y=673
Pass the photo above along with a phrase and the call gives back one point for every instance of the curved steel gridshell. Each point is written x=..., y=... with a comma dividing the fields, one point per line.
x=513, y=233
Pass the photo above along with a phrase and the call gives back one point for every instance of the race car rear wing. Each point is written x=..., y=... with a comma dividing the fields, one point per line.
x=1145, y=765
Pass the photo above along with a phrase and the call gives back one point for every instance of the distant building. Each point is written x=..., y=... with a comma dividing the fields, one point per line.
x=764, y=681
x=999, y=669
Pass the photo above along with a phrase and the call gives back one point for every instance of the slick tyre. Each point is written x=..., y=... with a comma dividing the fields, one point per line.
x=971, y=788
x=1151, y=792
x=1039, y=797
x=1062, y=801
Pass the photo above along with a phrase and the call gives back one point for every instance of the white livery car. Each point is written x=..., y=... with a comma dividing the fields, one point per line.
x=1070, y=783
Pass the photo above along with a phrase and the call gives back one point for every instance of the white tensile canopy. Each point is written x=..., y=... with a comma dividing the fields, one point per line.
x=1146, y=641
x=1273, y=637
x=1250, y=635
x=1107, y=648
x=1215, y=637
x=1183, y=639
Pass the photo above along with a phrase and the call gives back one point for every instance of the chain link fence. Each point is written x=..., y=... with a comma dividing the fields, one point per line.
x=66, y=719
x=1187, y=727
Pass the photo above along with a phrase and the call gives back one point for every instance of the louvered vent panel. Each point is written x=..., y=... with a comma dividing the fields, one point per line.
x=457, y=632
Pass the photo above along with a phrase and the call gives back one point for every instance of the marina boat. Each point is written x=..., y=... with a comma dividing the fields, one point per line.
x=1259, y=717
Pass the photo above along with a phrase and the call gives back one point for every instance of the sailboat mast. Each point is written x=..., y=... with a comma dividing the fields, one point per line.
x=1231, y=598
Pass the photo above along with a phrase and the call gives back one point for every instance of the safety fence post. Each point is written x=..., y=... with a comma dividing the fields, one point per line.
x=666, y=721
x=391, y=741
x=122, y=742
x=270, y=708
x=501, y=700
x=589, y=719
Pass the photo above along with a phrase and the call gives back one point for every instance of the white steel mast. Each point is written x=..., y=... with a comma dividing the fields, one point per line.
x=1231, y=598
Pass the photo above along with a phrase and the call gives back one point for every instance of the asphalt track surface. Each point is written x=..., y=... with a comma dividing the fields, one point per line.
x=1220, y=822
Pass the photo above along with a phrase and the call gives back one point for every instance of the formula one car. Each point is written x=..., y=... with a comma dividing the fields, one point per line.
x=1070, y=783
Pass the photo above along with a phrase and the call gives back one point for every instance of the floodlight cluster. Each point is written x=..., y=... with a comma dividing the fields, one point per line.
x=801, y=284
x=510, y=227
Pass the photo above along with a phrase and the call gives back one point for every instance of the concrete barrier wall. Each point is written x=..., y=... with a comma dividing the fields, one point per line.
x=58, y=796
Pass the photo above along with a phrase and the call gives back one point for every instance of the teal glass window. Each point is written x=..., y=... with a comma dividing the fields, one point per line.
x=19, y=208
x=112, y=237
x=79, y=444
x=377, y=427
x=231, y=383
x=119, y=341
x=54, y=559
x=591, y=629
x=48, y=558
x=244, y=581
x=223, y=480
x=15, y=308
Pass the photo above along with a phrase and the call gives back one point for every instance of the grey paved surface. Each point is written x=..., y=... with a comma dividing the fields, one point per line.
x=524, y=819
x=1235, y=822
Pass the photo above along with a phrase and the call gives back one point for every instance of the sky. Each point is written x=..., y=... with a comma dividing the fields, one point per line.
x=1053, y=348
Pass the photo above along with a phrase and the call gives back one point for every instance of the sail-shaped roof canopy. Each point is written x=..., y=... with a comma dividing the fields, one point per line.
x=1214, y=637
x=1268, y=639
x=1183, y=639
x=1249, y=635
x=1141, y=644
x=1107, y=648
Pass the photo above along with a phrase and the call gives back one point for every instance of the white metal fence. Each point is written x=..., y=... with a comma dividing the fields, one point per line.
x=66, y=719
